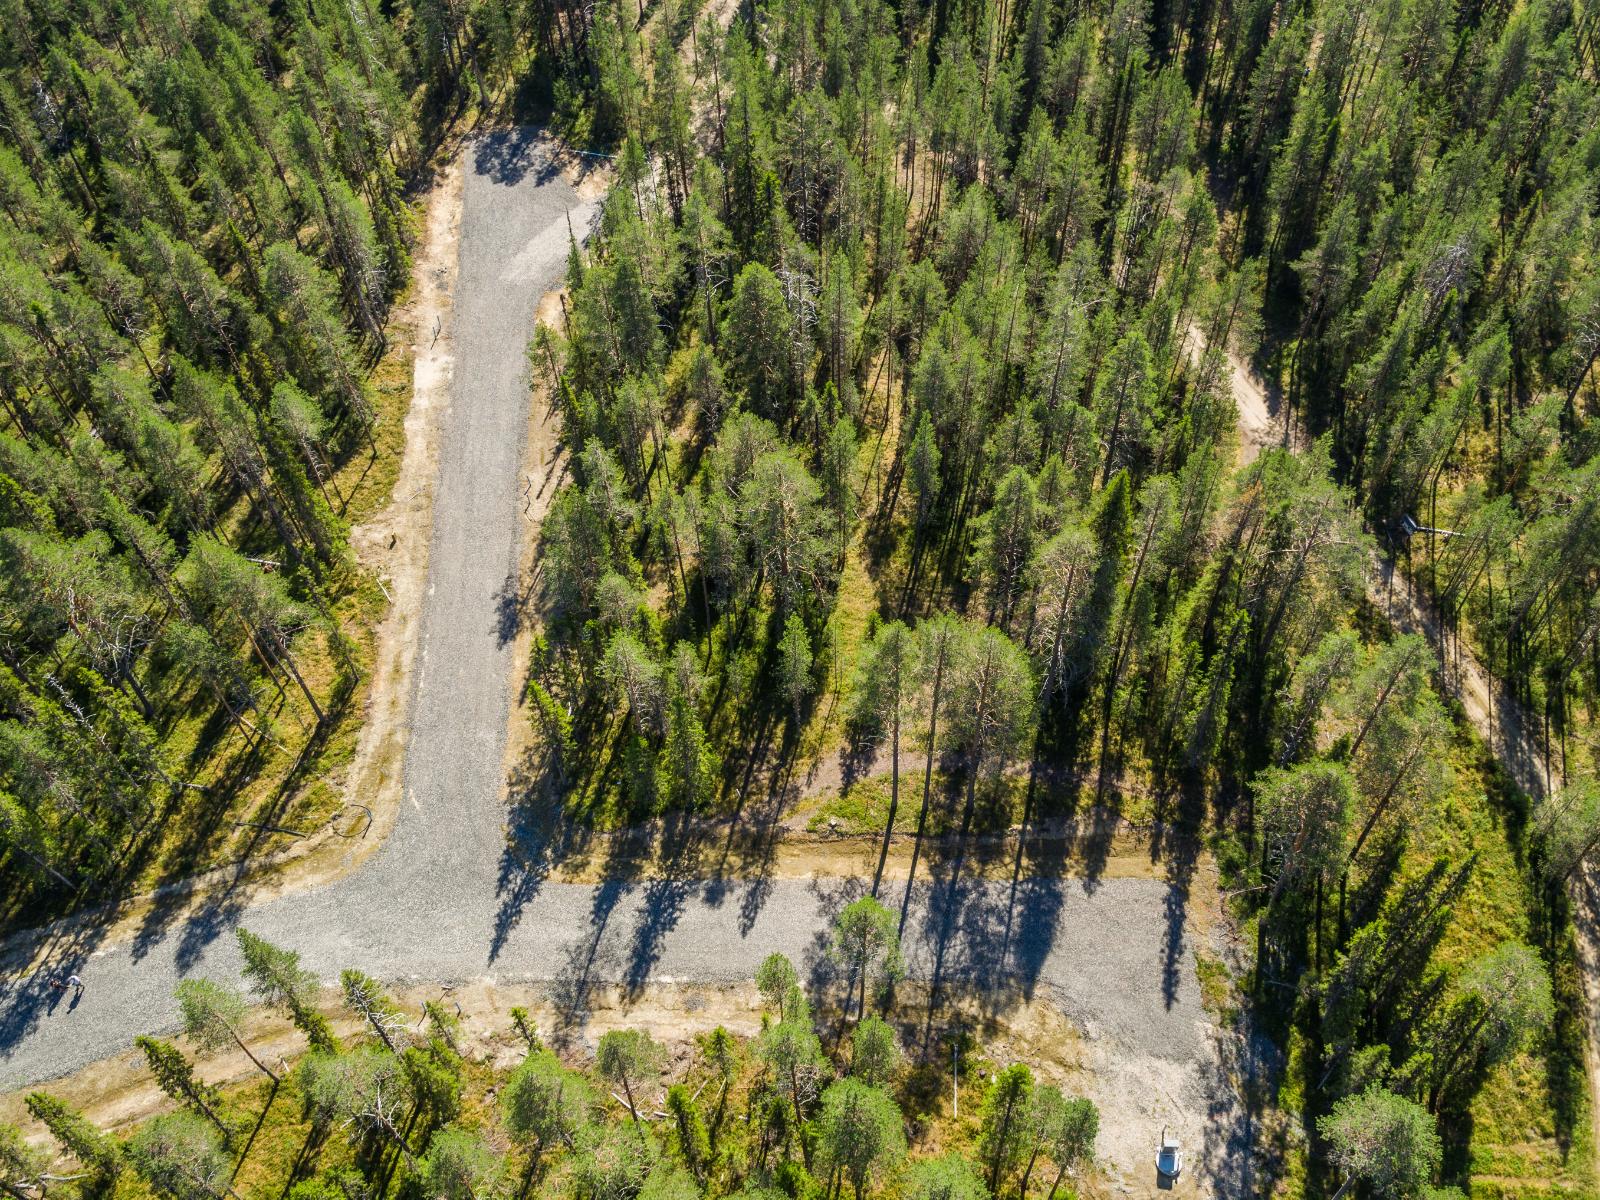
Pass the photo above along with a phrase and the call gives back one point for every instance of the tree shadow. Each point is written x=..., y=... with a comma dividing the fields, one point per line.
x=818, y=965
x=26, y=1000
x=509, y=156
x=665, y=862
x=255, y=1131
x=310, y=1146
x=1036, y=895
x=953, y=907
x=1175, y=836
x=536, y=839
x=1242, y=1154
x=687, y=855
x=510, y=604
x=588, y=959
x=161, y=916
x=206, y=925
x=209, y=827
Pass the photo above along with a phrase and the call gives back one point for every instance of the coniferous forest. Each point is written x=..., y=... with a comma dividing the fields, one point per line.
x=205, y=227
x=1025, y=409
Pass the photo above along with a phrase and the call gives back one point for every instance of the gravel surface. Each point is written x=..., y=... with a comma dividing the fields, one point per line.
x=436, y=904
x=1102, y=953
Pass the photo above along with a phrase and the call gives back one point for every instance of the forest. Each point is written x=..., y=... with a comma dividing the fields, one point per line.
x=897, y=389
x=205, y=227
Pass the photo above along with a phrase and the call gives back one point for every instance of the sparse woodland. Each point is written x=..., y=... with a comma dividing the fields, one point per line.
x=818, y=1104
x=896, y=391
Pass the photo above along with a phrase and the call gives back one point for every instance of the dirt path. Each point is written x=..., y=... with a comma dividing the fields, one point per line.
x=1260, y=425
x=1506, y=729
x=1496, y=715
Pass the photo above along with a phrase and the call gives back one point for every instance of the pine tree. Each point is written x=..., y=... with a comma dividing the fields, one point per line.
x=367, y=1088
x=278, y=980
x=212, y=1015
x=689, y=1128
x=867, y=942
x=181, y=1158
x=791, y=1052
x=1382, y=1139
x=461, y=1166
x=627, y=1058
x=860, y=1133
x=98, y=1154
x=838, y=479
x=175, y=1076
x=874, y=1055
x=301, y=300
x=795, y=681
x=690, y=764
x=1002, y=1140
x=544, y=1104
x=1006, y=545
x=365, y=996
x=757, y=328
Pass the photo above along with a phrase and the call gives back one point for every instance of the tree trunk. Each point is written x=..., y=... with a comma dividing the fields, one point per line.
x=1000, y=1142
x=894, y=801
x=861, y=1008
x=927, y=785
x=799, y=1121
x=288, y=661
x=1022, y=1188
x=261, y=1066
x=633, y=1109
x=1377, y=708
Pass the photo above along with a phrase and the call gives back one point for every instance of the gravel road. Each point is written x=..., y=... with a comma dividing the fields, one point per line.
x=1102, y=953
x=432, y=904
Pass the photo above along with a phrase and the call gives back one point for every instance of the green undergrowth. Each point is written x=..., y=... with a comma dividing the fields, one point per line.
x=1000, y=803
x=1527, y=1130
x=277, y=1150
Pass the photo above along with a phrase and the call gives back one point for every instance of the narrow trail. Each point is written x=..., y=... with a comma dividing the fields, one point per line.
x=1513, y=738
x=1260, y=425
x=1493, y=712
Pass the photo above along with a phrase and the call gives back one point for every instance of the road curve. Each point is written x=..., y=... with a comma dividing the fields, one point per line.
x=438, y=901
x=447, y=838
